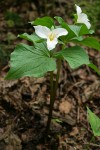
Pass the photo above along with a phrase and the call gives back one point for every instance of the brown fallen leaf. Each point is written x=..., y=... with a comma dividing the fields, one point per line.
x=74, y=132
x=65, y=107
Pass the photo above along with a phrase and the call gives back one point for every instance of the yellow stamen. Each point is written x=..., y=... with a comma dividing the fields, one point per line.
x=51, y=36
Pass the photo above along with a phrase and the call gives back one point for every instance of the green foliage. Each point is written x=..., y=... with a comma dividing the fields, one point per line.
x=77, y=31
x=56, y=120
x=94, y=68
x=72, y=29
x=44, y=21
x=32, y=38
x=37, y=60
x=75, y=56
x=30, y=61
x=85, y=30
x=94, y=122
x=89, y=41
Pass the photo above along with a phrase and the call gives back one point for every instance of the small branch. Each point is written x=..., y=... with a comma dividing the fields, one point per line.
x=92, y=144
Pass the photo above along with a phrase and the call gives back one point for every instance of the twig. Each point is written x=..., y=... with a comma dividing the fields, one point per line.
x=92, y=144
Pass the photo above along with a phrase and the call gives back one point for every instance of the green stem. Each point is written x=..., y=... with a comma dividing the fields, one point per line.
x=52, y=95
x=51, y=103
x=57, y=77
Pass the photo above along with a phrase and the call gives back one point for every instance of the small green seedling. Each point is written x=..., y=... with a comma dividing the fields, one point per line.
x=57, y=120
x=94, y=122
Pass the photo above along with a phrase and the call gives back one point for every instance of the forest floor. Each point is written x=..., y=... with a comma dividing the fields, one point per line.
x=24, y=103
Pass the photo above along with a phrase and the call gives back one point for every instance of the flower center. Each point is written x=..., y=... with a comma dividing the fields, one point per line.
x=51, y=36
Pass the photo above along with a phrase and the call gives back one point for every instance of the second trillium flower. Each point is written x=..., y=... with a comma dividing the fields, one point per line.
x=82, y=17
x=51, y=35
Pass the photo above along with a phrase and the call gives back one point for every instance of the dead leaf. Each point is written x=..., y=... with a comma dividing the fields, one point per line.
x=65, y=107
x=74, y=132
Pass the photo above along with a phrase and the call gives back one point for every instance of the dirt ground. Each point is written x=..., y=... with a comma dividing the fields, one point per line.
x=24, y=103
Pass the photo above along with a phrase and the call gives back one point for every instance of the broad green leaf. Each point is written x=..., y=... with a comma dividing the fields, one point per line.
x=32, y=38
x=94, y=68
x=70, y=34
x=44, y=21
x=90, y=42
x=75, y=56
x=59, y=19
x=76, y=29
x=30, y=61
x=73, y=31
x=94, y=122
x=84, y=30
x=69, y=28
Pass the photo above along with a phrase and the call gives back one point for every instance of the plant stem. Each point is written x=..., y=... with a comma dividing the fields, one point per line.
x=51, y=103
x=53, y=95
x=57, y=76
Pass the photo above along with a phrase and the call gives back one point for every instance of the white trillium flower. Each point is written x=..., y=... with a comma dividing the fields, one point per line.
x=51, y=35
x=82, y=17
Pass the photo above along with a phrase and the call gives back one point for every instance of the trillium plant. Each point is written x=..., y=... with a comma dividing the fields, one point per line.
x=50, y=48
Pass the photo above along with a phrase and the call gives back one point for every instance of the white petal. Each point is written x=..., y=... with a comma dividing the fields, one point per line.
x=60, y=31
x=82, y=18
x=87, y=23
x=51, y=44
x=78, y=9
x=42, y=31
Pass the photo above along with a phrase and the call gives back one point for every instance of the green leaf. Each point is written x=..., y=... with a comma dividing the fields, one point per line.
x=94, y=68
x=44, y=21
x=75, y=56
x=70, y=34
x=32, y=38
x=94, y=122
x=73, y=31
x=84, y=30
x=70, y=28
x=90, y=42
x=59, y=19
x=56, y=120
x=30, y=61
x=76, y=29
